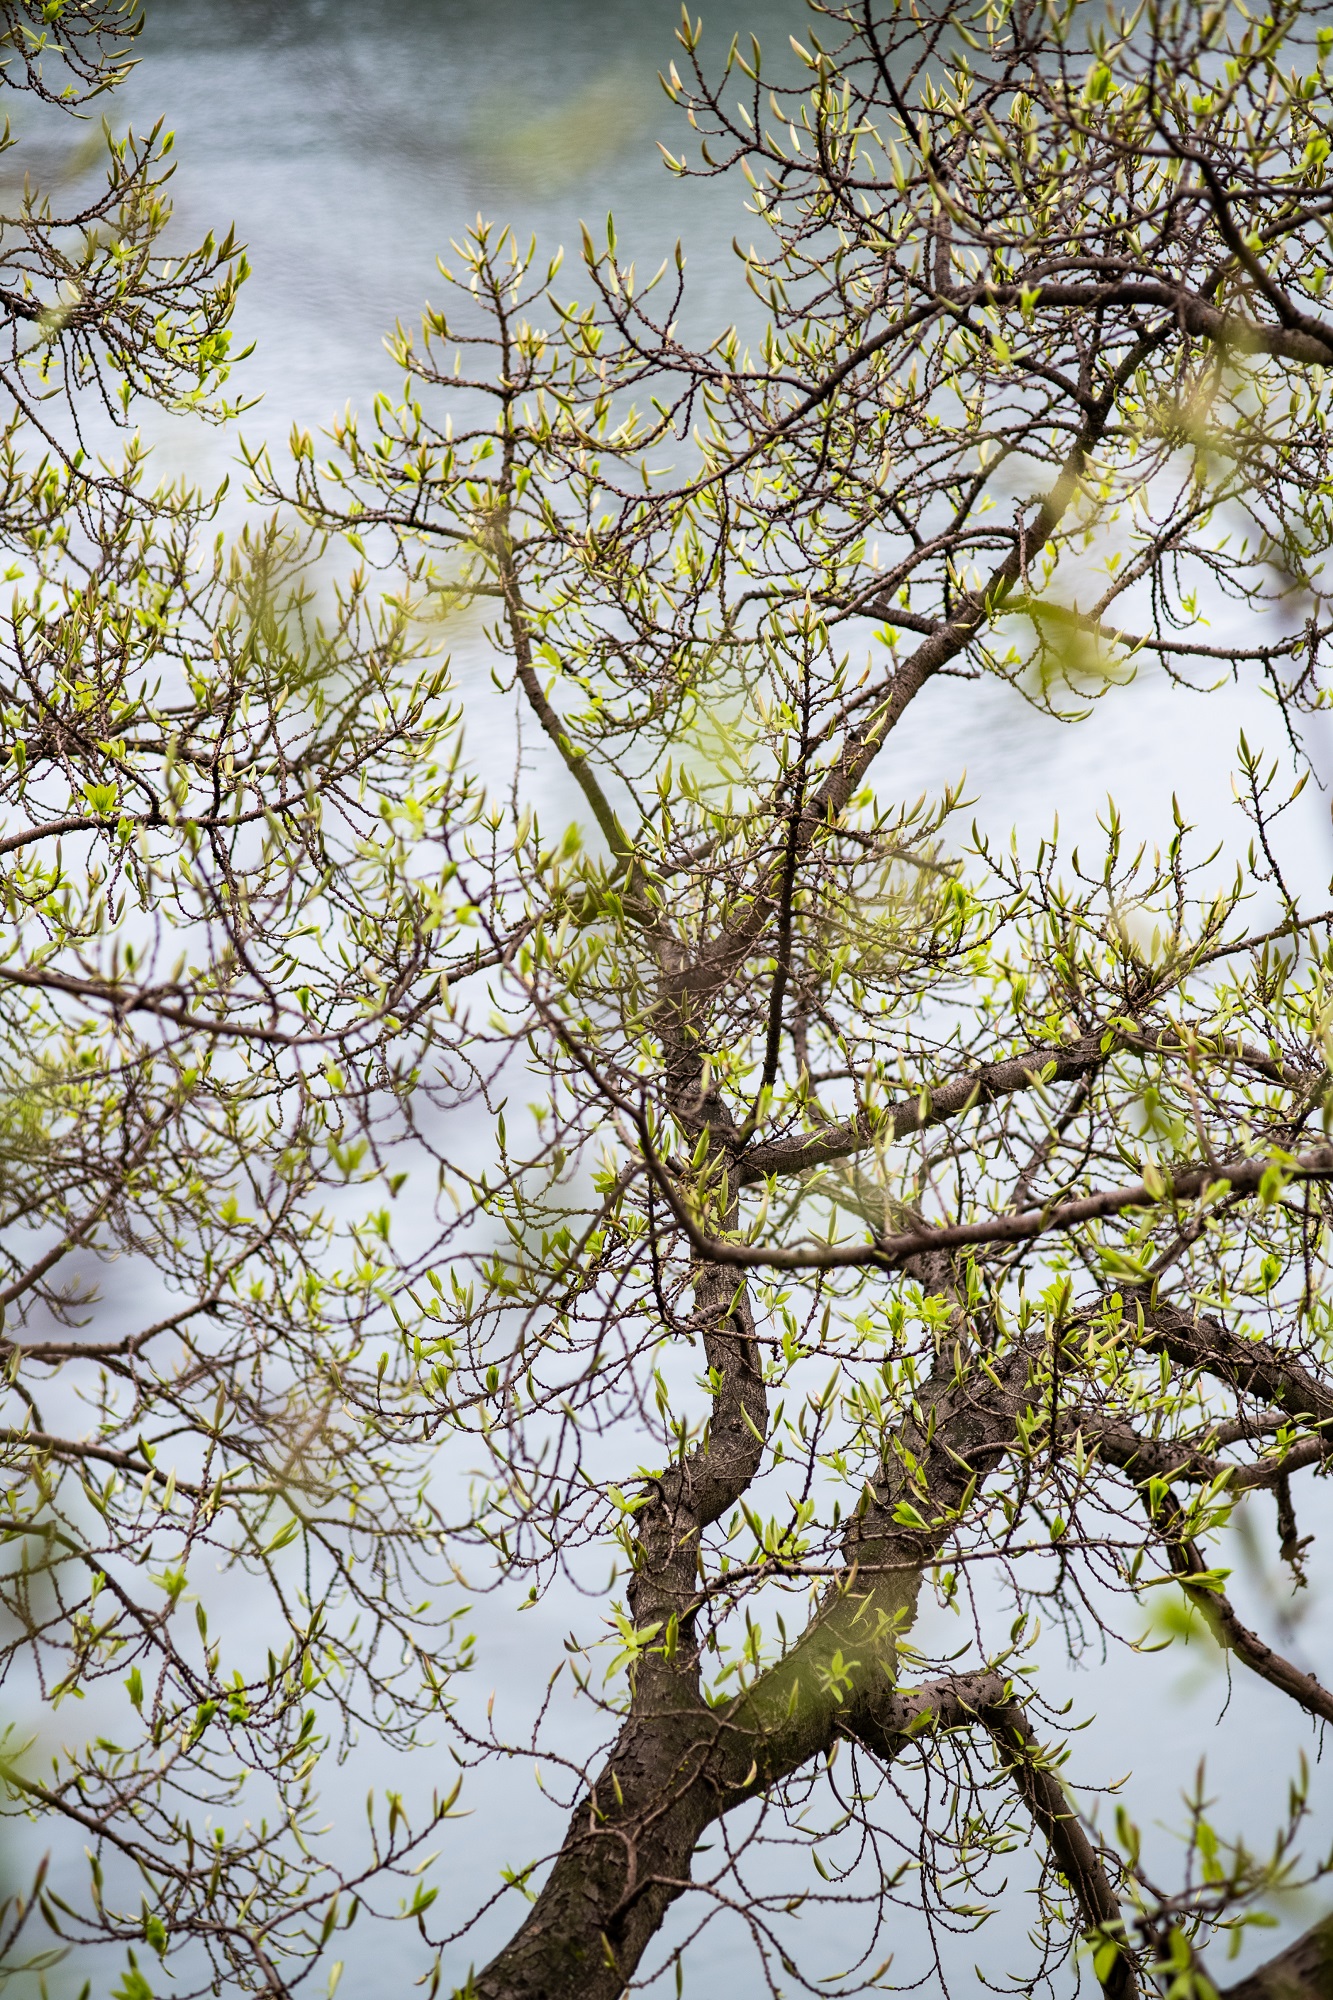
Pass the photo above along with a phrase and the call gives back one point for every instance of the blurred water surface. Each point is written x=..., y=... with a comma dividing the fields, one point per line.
x=349, y=142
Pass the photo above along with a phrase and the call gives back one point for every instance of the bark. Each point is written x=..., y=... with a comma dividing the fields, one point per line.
x=1218, y=1613
x=986, y=1084
x=1056, y=1819
x=1304, y=1971
x=678, y=1764
x=1118, y=1443
x=1249, y=1367
x=1244, y=1176
x=987, y=1699
x=623, y=1865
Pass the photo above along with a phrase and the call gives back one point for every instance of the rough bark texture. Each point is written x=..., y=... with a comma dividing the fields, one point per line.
x=679, y=1765
x=1304, y=1971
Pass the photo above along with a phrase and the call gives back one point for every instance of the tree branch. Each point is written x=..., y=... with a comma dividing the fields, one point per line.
x=893, y=1252
x=1220, y=1617
x=1057, y=1820
x=1304, y=1971
x=984, y=1085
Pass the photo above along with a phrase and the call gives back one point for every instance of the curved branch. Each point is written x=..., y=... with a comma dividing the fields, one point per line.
x=1219, y=1615
x=1249, y=1367
x=890, y=1252
x=986, y=1084
x=1057, y=1820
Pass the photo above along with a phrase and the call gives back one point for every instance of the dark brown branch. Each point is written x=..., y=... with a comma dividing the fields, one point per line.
x=1057, y=1820
x=1304, y=1971
x=1250, y=1367
x=984, y=1085
x=1219, y=1615
x=626, y=1857
x=893, y=1252
x=1164, y=1458
x=678, y=1764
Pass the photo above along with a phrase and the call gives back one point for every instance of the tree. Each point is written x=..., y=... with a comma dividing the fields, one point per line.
x=216, y=960
x=901, y=1219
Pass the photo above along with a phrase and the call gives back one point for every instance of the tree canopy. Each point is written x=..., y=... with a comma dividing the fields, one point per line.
x=765, y=1183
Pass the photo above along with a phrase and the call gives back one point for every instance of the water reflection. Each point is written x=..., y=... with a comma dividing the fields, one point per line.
x=534, y=149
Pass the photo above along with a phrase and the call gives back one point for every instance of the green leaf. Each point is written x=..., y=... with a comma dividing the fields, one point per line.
x=133, y=1985
x=1104, y=1959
